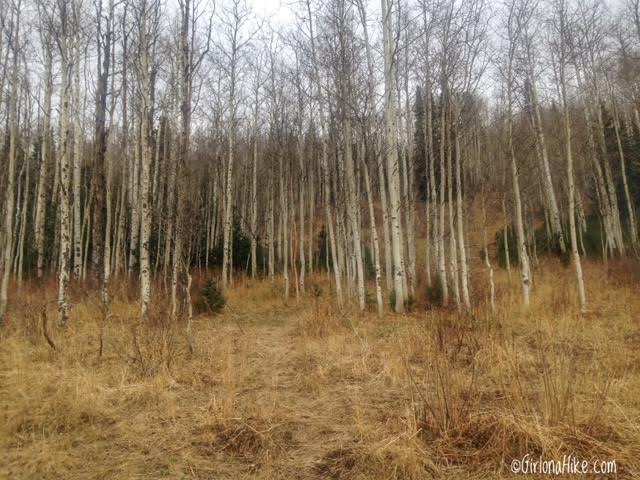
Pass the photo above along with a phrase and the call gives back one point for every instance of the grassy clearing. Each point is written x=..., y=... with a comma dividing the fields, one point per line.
x=289, y=391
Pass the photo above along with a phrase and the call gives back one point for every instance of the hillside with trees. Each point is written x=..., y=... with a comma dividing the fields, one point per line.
x=392, y=239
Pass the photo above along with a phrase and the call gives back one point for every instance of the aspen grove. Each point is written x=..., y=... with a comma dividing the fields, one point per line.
x=340, y=239
x=141, y=137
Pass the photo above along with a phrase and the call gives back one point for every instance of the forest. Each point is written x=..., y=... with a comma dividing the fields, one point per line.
x=322, y=239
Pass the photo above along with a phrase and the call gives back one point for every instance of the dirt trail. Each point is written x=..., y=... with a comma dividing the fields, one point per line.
x=306, y=421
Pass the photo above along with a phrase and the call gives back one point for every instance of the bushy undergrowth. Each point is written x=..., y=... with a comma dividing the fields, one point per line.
x=240, y=250
x=211, y=299
x=434, y=293
x=589, y=243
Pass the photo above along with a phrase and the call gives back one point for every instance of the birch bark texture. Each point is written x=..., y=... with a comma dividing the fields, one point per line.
x=391, y=153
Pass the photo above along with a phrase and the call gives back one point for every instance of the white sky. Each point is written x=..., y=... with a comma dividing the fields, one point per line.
x=277, y=11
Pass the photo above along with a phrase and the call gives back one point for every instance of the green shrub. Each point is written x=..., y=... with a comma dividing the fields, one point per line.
x=591, y=239
x=369, y=298
x=211, y=299
x=392, y=299
x=315, y=290
x=512, y=247
x=434, y=292
x=408, y=304
x=369, y=264
x=240, y=249
x=322, y=254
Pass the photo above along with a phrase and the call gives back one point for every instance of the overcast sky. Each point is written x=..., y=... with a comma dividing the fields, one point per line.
x=276, y=10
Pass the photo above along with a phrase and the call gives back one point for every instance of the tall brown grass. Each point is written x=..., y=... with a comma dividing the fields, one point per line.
x=279, y=390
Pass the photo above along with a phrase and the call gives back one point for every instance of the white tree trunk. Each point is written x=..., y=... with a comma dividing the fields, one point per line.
x=78, y=141
x=570, y=180
x=145, y=173
x=549, y=192
x=254, y=204
x=487, y=262
x=374, y=234
x=464, y=270
x=523, y=256
x=352, y=211
x=134, y=198
x=454, y=267
x=442, y=266
x=65, y=160
x=11, y=168
x=393, y=172
x=325, y=162
x=271, y=229
x=633, y=229
x=41, y=204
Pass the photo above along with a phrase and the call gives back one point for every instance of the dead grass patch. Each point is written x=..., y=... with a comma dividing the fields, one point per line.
x=278, y=390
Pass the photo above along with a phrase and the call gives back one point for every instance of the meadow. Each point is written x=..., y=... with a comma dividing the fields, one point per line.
x=279, y=390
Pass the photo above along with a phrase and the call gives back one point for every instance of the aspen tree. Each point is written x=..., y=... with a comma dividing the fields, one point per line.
x=585, y=44
x=134, y=203
x=254, y=168
x=374, y=232
x=19, y=257
x=301, y=175
x=631, y=215
x=271, y=228
x=14, y=41
x=171, y=201
x=442, y=266
x=324, y=161
x=85, y=231
x=487, y=262
x=561, y=24
x=45, y=149
x=344, y=73
x=386, y=227
x=78, y=141
x=392, y=155
x=67, y=18
x=408, y=170
x=536, y=121
x=120, y=254
x=100, y=235
x=235, y=19
x=147, y=21
x=464, y=274
x=454, y=266
x=604, y=203
x=284, y=218
x=5, y=57
x=189, y=62
x=181, y=164
x=312, y=194
x=369, y=129
x=26, y=108
x=474, y=24
x=513, y=35
x=431, y=195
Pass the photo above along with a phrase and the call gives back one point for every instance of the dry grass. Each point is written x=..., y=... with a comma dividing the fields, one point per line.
x=279, y=390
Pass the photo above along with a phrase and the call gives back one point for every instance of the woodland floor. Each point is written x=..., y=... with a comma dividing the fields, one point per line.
x=288, y=391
